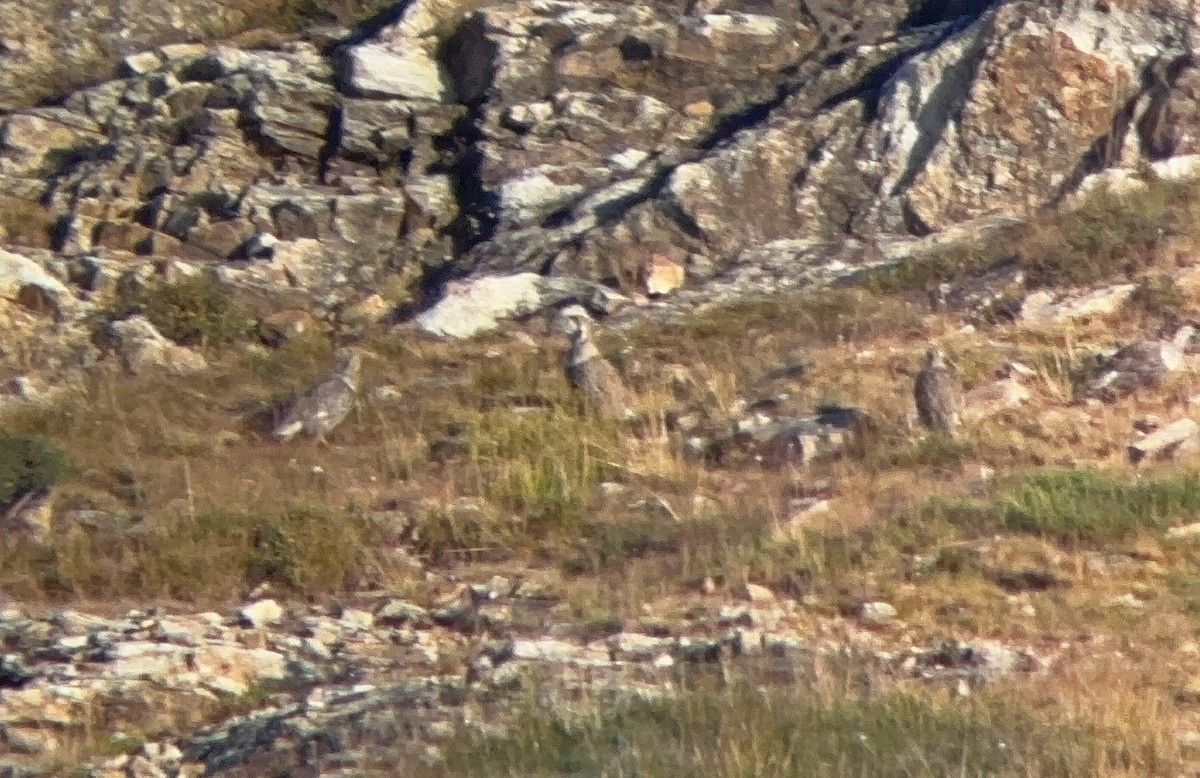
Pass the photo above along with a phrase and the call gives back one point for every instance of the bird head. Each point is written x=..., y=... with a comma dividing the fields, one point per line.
x=575, y=322
x=935, y=357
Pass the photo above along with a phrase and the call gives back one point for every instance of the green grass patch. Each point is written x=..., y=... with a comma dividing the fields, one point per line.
x=746, y=732
x=825, y=316
x=543, y=465
x=28, y=464
x=194, y=311
x=943, y=265
x=1108, y=236
x=208, y=557
x=1076, y=507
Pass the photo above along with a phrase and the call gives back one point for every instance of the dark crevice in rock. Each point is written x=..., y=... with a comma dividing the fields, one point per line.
x=684, y=221
x=372, y=26
x=468, y=57
x=927, y=12
x=333, y=141
x=913, y=222
x=1154, y=127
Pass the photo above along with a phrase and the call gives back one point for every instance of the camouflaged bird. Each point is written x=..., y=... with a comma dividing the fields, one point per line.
x=588, y=370
x=938, y=394
x=324, y=405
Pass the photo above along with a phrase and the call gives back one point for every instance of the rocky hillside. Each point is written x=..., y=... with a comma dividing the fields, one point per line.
x=765, y=213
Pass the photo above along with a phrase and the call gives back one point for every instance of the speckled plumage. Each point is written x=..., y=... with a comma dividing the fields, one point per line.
x=324, y=405
x=592, y=374
x=938, y=394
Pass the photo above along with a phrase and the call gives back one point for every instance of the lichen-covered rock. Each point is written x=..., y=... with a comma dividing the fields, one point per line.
x=140, y=347
x=479, y=305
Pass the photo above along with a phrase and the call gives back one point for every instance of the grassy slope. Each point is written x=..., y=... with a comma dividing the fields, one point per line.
x=206, y=507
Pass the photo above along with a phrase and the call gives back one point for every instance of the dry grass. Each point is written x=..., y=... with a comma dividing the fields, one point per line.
x=482, y=460
x=834, y=723
x=1109, y=237
x=484, y=454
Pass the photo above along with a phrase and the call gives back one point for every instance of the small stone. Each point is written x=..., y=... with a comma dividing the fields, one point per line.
x=1185, y=531
x=457, y=615
x=357, y=620
x=660, y=275
x=1189, y=693
x=611, y=489
x=399, y=69
x=142, y=767
x=177, y=633
x=747, y=642
x=141, y=63
x=757, y=593
x=398, y=613
x=637, y=647
x=140, y=346
x=1127, y=600
x=507, y=677
x=877, y=612
x=260, y=614
x=544, y=650
x=386, y=394
x=315, y=649
x=13, y=672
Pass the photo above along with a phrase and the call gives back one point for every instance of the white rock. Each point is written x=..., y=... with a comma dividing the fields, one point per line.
x=140, y=345
x=472, y=306
x=989, y=399
x=877, y=612
x=534, y=193
x=143, y=62
x=635, y=646
x=1044, y=306
x=402, y=69
x=260, y=614
x=1186, y=531
x=21, y=278
x=359, y=620
x=144, y=659
x=758, y=593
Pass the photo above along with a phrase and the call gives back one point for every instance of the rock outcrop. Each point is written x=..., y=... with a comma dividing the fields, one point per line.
x=584, y=139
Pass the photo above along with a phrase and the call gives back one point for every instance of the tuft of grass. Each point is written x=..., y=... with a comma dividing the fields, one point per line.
x=936, y=450
x=296, y=15
x=194, y=311
x=28, y=464
x=943, y=265
x=208, y=557
x=1077, y=507
x=543, y=466
x=1109, y=235
x=825, y=316
x=746, y=731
